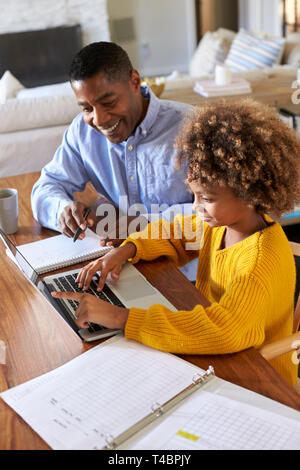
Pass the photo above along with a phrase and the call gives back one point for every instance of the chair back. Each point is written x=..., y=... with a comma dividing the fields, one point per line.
x=297, y=316
x=296, y=252
x=285, y=345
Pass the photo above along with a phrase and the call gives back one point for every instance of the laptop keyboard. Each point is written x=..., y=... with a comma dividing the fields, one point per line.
x=68, y=284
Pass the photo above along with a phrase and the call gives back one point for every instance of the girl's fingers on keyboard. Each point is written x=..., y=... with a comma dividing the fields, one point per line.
x=87, y=272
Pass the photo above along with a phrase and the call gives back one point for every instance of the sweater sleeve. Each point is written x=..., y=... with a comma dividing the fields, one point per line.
x=179, y=240
x=235, y=323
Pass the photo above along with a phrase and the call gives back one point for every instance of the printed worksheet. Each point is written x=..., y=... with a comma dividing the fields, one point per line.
x=90, y=400
x=210, y=421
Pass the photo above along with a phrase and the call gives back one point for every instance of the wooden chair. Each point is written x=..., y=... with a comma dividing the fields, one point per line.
x=291, y=343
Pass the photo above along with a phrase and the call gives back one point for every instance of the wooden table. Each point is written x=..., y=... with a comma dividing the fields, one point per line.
x=275, y=90
x=38, y=340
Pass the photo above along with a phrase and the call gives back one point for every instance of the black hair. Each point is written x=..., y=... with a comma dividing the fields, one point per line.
x=101, y=56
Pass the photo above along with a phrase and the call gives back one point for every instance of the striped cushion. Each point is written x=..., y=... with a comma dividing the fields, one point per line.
x=251, y=51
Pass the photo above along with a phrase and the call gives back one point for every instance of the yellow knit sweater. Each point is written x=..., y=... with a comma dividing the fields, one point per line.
x=250, y=286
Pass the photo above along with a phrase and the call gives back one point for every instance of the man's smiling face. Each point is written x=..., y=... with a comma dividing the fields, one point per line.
x=113, y=108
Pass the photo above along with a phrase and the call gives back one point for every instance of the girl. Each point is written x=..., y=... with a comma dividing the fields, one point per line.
x=243, y=163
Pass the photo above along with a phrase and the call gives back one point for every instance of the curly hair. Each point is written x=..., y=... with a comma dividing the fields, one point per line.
x=246, y=147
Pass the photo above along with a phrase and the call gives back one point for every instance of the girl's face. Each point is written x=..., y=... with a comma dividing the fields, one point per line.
x=218, y=206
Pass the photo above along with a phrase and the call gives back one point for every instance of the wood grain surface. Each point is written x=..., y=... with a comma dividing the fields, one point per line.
x=38, y=340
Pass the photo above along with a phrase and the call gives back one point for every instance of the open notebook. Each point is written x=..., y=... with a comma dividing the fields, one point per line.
x=59, y=251
x=122, y=394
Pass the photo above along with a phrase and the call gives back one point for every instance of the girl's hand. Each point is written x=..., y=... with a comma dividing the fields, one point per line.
x=94, y=310
x=112, y=263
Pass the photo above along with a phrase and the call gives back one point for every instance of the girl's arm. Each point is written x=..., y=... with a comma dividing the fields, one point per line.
x=234, y=323
x=179, y=240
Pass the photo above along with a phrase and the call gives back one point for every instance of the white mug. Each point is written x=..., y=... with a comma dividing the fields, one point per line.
x=8, y=210
x=222, y=75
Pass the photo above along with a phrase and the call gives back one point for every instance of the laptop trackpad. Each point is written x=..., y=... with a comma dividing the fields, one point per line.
x=133, y=288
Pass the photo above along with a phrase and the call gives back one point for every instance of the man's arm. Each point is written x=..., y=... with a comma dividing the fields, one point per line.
x=64, y=175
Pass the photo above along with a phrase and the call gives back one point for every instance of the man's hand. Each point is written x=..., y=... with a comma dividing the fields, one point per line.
x=92, y=309
x=72, y=217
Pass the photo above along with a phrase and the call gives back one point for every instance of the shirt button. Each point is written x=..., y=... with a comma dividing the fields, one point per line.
x=144, y=132
x=130, y=147
x=131, y=178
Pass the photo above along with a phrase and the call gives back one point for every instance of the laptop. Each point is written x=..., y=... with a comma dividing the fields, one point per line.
x=132, y=290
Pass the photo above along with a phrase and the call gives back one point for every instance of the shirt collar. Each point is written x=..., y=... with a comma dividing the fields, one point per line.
x=152, y=111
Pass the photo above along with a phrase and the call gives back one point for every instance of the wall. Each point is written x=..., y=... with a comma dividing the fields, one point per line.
x=261, y=15
x=26, y=15
x=215, y=14
x=164, y=36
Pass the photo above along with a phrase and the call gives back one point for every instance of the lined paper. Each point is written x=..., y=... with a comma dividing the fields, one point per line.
x=60, y=250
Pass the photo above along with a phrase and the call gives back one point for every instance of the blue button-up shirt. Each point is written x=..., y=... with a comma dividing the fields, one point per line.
x=141, y=168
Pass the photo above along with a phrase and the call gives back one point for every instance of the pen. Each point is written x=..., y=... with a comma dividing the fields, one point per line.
x=79, y=230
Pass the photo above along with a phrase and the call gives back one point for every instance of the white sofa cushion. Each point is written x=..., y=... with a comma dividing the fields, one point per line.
x=294, y=57
x=17, y=115
x=9, y=86
x=57, y=89
x=252, y=51
x=291, y=54
x=228, y=34
x=210, y=51
x=30, y=150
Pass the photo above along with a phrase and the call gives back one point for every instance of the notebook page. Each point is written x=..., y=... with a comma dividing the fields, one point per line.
x=100, y=393
x=60, y=250
x=210, y=421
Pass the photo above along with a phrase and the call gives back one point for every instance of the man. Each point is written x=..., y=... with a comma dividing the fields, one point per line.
x=122, y=143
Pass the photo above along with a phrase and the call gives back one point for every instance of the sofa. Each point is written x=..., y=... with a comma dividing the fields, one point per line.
x=32, y=123
x=250, y=48
x=33, y=120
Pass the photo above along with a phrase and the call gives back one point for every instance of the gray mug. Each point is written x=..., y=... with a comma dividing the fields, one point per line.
x=8, y=210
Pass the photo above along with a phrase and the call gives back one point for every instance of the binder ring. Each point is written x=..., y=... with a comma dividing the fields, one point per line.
x=109, y=439
x=156, y=408
x=197, y=378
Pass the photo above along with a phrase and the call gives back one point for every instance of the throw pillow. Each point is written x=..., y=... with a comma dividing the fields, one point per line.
x=58, y=89
x=9, y=86
x=294, y=57
x=252, y=51
x=271, y=36
x=292, y=50
x=33, y=113
x=211, y=51
x=228, y=34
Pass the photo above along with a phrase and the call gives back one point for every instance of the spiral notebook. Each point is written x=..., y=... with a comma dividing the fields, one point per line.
x=60, y=251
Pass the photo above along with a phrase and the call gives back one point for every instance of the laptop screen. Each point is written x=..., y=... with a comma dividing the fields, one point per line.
x=36, y=280
x=27, y=269
x=45, y=290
